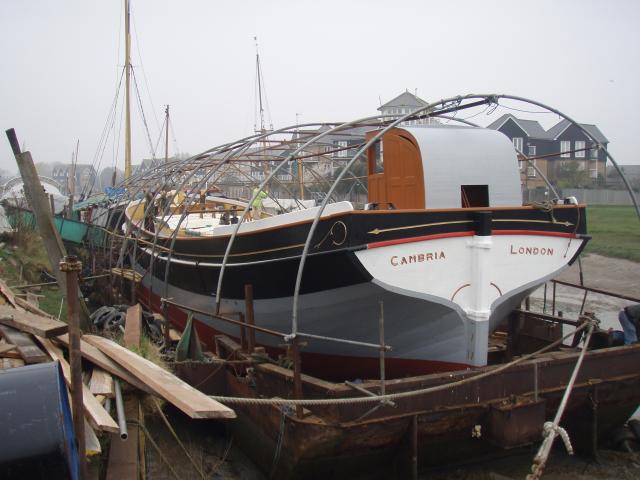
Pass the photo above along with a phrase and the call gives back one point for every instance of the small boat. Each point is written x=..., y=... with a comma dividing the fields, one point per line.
x=444, y=242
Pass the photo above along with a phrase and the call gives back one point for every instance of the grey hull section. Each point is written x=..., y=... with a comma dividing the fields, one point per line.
x=414, y=328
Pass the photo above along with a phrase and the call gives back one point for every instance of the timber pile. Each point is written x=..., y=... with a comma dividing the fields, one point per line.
x=28, y=335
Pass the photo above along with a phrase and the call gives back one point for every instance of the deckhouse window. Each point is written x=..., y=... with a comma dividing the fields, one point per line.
x=580, y=145
x=517, y=143
x=474, y=195
x=565, y=149
x=378, y=159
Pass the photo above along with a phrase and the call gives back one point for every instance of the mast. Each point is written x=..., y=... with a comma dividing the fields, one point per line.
x=127, y=71
x=262, y=130
x=166, y=135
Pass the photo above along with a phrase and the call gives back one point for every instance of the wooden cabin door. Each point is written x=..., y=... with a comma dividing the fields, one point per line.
x=403, y=171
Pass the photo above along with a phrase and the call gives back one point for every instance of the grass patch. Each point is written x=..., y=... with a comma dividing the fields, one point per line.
x=615, y=231
x=22, y=261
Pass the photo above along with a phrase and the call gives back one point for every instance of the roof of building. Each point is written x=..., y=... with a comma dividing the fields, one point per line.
x=555, y=131
x=531, y=127
x=405, y=99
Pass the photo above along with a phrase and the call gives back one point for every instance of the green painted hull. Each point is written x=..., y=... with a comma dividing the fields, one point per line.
x=70, y=230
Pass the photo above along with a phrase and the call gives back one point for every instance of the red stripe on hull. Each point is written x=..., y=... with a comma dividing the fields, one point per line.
x=541, y=233
x=328, y=367
x=421, y=238
x=399, y=241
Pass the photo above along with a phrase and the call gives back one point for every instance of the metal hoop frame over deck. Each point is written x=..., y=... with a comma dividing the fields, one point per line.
x=275, y=150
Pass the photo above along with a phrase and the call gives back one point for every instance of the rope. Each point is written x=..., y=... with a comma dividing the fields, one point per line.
x=391, y=396
x=552, y=429
x=546, y=207
x=155, y=446
x=276, y=454
x=175, y=436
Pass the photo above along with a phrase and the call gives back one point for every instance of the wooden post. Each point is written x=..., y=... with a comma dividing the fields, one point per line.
x=166, y=325
x=39, y=203
x=70, y=265
x=414, y=447
x=381, y=327
x=52, y=203
x=243, y=333
x=297, y=379
x=248, y=302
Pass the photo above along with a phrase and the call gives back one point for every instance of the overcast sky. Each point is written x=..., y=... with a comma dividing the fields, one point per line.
x=325, y=60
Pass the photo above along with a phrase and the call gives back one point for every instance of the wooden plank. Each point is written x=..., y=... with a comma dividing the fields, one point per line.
x=123, y=455
x=182, y=395
x=101, y=383
x=7, y=293
x=98, y=416
x=98, y=358
x=174, y=335
x=6, y=347
x=32, y=308
x=133, y=326
x=92, y=444
x=6, y=363
x=28, y=350
x=30, y=323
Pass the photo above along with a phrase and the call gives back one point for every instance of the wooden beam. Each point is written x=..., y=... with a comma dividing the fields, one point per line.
x=7, y=293
x=32, y=308
x=6, y=347
x=133, y=326
x=98, y=358
x=6, y=363
x=97, y=415
x=39, y=203
x=31, y=323
x=191, y=401
x=123, y=455
x=101, y=383
x=28, y=350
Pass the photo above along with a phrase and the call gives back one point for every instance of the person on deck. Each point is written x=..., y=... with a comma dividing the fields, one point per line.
x=629, y=318
x=256, y=206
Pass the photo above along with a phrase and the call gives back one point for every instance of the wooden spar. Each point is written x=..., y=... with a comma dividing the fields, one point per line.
x=191, y=401
x=37, y=199
x=98, y=416
x=31, y=323
x=28, y=350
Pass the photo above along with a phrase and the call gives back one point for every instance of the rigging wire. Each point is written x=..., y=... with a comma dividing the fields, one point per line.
x=521, y=110
x=144, y=118
x=157, y=144
x=104, y=136
x=173, y=138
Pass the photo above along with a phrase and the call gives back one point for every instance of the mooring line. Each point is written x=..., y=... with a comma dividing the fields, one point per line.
x=391, y=396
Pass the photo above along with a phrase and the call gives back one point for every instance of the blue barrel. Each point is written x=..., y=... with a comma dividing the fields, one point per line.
x=37, y=439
